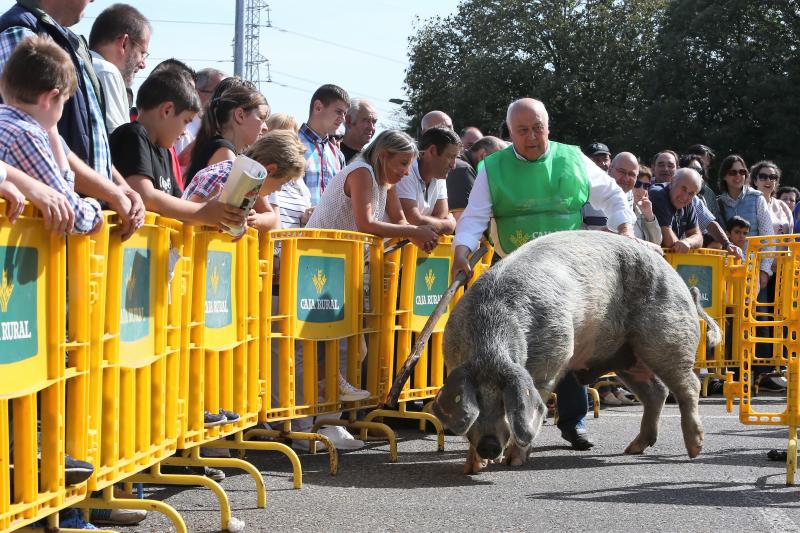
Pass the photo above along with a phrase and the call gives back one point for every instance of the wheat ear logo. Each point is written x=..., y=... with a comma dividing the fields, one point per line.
x=429, y=279
x=214, y=280
x=319, y=280
x=6, y=289
x=519, y=238
x=693, y=280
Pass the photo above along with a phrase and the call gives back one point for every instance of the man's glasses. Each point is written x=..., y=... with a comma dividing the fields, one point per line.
x=145, y=53
x=765, y=177
x=643, y=185
x=740, y=172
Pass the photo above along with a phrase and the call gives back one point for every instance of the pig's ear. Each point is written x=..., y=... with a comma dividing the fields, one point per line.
x=524, y=406
x=456, y=404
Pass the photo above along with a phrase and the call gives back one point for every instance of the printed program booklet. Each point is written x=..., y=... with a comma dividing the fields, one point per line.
x=241, y=188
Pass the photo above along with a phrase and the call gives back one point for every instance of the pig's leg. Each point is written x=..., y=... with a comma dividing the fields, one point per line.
x=652, y=393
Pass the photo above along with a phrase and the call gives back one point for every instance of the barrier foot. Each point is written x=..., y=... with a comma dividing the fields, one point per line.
x=791, y=456
x=108, y=501
x=360, y=424
x=423, y=417
x=286, y=450
x=240, y=443
x=229, y=462
x=156, y=477
x=595, y=400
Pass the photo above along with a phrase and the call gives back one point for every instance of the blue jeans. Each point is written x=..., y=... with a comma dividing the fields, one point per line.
x=573, y=404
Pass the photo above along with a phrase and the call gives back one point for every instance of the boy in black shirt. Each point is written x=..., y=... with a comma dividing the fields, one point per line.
x=167, y=101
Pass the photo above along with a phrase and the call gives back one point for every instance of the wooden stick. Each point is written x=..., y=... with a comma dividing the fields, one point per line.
x=422, y=339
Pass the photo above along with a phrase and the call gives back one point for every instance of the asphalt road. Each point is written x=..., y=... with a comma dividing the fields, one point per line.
x=731, y=486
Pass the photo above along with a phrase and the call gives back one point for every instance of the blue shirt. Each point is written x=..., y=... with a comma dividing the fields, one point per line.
x=323, y=161
x=680, y=220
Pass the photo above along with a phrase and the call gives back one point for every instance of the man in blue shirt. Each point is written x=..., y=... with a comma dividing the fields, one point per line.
x=672, y=206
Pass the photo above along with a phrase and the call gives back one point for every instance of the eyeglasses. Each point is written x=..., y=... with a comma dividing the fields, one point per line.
x=765, y=177
x=145, y=53
x=740, y=172
x=643, y=185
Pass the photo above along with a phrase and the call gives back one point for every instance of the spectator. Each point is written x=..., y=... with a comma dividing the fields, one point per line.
x=459, y=179
x=645, y=174
x=481, y=149
x=789, y=195
x=706, y=155
x=82, y=123
x=118, y=42
x=625, y=169
x=329, y=105
x=282, y=121
x=737, y=198
x=469, y=135
x=235, y=119
x=167, y=101
x=595, y=219
x=706, y=194
x=359, y=127
x=738, y=228
x=435, y=118
x=664, y=165
x=503, y=131
x=206, y=82
x=37, y=79
x=423, y=192
x=675, y=211
x=281, y=153
x=765, y=176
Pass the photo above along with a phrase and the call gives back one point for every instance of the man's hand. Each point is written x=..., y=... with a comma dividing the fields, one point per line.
x=59, y=217
x=733, y=250
x=219, y=214
x=461, y=262
x=425, y=237
x=15, y=200
x=680, y=247
x=626, y=229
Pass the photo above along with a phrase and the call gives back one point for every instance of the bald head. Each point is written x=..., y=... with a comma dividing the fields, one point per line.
x=624, y=169
x=528, y=125
x=689, y=175
x=435, y=118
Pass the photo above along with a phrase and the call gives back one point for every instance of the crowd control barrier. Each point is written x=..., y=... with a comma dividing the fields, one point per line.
x=43, y=372
x=769, y=337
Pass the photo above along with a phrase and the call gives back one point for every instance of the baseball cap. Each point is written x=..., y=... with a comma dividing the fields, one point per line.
x=597, y=148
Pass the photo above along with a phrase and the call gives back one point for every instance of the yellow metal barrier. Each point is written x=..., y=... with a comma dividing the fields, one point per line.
x=783, y=317
x=43, y=379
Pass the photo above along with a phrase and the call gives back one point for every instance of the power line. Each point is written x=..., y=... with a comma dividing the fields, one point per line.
x=332, y=43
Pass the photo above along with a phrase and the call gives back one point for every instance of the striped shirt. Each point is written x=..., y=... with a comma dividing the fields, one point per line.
x=24, y=144
x=323, y=161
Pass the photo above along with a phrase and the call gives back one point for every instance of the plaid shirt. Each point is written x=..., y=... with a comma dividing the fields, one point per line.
x=205, y=181
x=323, y=161
x=24, y=144
x=101, y=155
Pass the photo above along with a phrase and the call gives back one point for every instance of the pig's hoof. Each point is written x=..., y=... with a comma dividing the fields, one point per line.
x=636, y=448
x=693, y=451
x=473, y=467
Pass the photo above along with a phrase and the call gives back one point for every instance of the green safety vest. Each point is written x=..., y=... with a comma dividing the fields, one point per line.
x=534, y=198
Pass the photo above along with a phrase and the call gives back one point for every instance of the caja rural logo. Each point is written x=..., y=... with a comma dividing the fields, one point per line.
x=18, y=303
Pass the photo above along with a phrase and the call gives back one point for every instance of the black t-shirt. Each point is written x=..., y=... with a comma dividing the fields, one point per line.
x=133, y=153
x=202, y=154
x=680, y=220
x=349, y=153
x=459, y=184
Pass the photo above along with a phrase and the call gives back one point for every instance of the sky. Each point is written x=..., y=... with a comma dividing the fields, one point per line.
x=361, y=45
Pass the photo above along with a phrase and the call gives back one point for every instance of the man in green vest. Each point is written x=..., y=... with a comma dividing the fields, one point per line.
x=532, y=188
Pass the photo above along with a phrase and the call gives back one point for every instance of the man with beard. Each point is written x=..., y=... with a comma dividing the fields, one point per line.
x=118, y=42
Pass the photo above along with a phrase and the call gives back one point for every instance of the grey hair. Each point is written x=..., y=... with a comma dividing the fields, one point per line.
x=356, y=105
x=532, y=102
x=687, y=173
x=391, y=141
x=206, y=74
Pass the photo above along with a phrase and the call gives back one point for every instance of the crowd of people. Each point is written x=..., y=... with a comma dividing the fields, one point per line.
x=73, y=141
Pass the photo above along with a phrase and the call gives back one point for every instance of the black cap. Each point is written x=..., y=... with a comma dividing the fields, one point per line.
x=597, y=148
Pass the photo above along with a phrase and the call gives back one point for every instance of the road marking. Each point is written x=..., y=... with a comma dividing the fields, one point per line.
x=778, y=521
x=639, y=415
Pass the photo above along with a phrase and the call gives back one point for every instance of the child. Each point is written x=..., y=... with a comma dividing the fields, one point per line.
x=738, y=228
x=36, y=81
x=281, y=153
x=167, y=102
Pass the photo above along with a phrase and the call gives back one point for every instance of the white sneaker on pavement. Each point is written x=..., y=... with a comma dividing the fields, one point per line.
x=349, y=393
x=341, y=438
x=304, y=445
x=624, y=397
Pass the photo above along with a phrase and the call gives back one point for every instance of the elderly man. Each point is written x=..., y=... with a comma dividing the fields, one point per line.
x=675, y=211
x=535, y=187
x=469, y=135
x=483, y=148
x=600, y=154
x=624, y=169
x=359, y=127
x=118, y=42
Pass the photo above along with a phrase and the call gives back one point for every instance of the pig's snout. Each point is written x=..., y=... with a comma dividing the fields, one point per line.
x=489, y=447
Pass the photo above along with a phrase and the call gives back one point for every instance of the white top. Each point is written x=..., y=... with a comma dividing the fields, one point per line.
x=293, y=198
x=117, y=110
x=604, y=194
x=412, y=187
x=335, y=209
x=189, y=134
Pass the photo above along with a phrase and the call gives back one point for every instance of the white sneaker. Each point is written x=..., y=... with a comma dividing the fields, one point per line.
x=304, y=445
x=341, y=438
x=609, y=399
x=349, y=393
x=624, y=397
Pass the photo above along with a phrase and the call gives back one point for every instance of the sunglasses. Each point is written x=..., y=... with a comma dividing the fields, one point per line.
x=770, y=177
x=643, y=185
x=740, y=172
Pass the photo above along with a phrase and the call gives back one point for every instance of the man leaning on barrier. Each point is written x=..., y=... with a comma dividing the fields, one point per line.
x=561, y=180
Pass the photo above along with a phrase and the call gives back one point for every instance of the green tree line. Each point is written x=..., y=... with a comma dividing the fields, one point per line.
x=639, y=75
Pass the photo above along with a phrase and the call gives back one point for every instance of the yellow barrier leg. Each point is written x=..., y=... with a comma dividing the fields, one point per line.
x=595, y=400
x=791, y=456
x=108, y=501
x=156, y=477
x=243, y=442
x=423, y=417
x=194, y=459
x=312, y=437
x=358, y=424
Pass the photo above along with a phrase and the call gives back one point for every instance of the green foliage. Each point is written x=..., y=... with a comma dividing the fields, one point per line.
x=640, y=75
